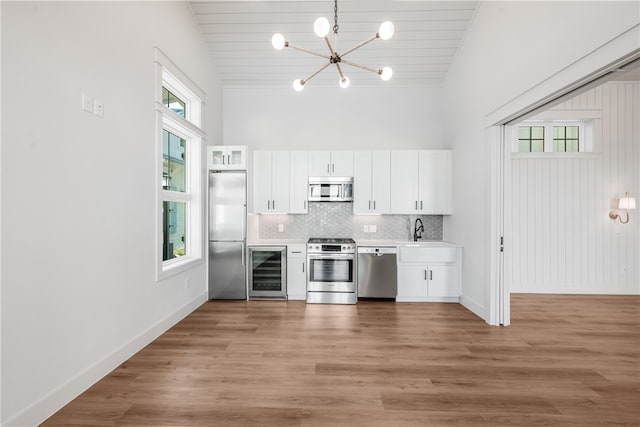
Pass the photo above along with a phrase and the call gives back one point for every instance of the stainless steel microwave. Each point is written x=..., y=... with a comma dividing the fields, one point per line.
x=331, y=189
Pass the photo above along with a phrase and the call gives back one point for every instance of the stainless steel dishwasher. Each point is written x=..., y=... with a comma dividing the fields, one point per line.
x=377, y=272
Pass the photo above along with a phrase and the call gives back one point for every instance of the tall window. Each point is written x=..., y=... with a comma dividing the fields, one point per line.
x=179, y=184
x=173, y=180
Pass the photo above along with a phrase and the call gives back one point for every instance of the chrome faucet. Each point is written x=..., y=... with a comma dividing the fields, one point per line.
x=417, y=229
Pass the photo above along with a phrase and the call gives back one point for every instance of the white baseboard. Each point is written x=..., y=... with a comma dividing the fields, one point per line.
x=477, y=309
x=427, y=299
x=43, y=408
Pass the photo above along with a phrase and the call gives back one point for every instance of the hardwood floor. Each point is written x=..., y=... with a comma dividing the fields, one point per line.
x=564, y=361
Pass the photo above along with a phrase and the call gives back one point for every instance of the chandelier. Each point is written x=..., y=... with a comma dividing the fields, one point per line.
x=321, y=27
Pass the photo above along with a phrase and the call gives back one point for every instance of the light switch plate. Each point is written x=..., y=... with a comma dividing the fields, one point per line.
x=281, y=228
x=87, y=103
x=372, y=228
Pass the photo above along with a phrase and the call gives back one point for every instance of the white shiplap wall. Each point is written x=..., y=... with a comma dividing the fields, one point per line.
x=560, y=238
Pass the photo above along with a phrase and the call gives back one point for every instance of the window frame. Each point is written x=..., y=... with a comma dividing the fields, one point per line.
x=169, y=76
x=548, y=125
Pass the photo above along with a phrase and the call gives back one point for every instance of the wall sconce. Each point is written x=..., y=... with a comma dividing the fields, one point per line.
x=625, y=203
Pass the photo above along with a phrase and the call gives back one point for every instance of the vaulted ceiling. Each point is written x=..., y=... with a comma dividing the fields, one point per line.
x=427, y=35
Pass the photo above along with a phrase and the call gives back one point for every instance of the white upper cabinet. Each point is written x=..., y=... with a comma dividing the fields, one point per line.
x=372, y=180
x=404, y=182
x=299, y=182
x=435, y=182
x=421, y=182
x=330, y=163
x=271, y=181
x=227, y=157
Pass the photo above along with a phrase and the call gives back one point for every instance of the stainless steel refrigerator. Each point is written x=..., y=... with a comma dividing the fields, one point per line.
x=227, y=235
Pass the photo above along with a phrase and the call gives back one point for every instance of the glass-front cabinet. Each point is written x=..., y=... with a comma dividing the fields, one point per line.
x=268, y=272
x=227, y=157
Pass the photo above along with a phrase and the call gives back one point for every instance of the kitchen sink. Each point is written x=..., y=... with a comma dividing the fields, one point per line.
x=426, y=252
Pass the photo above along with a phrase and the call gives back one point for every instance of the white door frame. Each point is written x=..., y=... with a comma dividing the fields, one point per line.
x=584, y=73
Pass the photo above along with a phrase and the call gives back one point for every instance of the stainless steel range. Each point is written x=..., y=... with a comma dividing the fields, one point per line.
x=331, y=273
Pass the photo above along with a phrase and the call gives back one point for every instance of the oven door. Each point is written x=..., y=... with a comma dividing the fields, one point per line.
x=331, y=273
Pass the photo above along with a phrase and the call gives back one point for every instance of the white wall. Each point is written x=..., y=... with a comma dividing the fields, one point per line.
x=333, y=118
x=506, y=52
x=561, y=237
x=79, y=193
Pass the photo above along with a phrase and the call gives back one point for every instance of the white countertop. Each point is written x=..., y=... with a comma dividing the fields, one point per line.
x=359, y=242
x=374, y=242
x=275, y=242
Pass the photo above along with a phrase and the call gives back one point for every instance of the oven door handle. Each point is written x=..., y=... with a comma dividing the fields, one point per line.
x=331, y=255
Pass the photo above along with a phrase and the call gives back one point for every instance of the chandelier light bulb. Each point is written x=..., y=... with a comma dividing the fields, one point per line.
x=386, y=74
x=278, y=41
x=321, y=27
x=298, y=85
x=344, y=82
x=386, y=30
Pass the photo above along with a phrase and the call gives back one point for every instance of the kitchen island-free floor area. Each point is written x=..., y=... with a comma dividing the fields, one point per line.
x=564, y=361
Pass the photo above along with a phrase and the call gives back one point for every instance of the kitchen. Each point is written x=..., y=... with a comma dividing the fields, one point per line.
x=315, y=198
x=81, y=229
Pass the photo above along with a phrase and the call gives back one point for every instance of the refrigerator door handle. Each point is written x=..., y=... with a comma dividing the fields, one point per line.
x=244, y=249
x=244, y=223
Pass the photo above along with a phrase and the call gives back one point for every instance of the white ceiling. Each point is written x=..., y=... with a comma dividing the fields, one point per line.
x=238, y=33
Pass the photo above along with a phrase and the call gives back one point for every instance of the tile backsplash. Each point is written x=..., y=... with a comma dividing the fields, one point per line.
x=336, y=219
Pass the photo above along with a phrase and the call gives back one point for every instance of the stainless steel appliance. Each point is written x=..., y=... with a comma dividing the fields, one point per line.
x=268, y=272
x=377, y=272
x=227, y=234
x=331, y=273
x=331, y=189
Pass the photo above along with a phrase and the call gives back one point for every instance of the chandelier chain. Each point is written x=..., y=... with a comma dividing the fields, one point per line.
x=335, y=17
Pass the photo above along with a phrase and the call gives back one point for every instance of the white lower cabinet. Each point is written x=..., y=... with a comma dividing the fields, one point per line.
x=296, y=272
x=427, y=281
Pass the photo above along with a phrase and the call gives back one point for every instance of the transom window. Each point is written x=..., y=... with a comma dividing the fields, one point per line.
x=552, y=137
x=566, y=139
x=531, y=139
x=172, y=102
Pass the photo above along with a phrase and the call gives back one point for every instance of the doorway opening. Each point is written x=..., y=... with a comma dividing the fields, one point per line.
x=552, y=204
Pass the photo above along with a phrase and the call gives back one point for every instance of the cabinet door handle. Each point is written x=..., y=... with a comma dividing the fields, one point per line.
x=430, y=274
x=273, y=204
x=228, y=159
x=303, y=267
x=416, y=205
x=328, y=170
x=223, y=159
x=425, y=274
x=333, y=168
x=374, y=205
x=420, y=204
x=268, y=204
x=305, y=205
x=369, y=204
